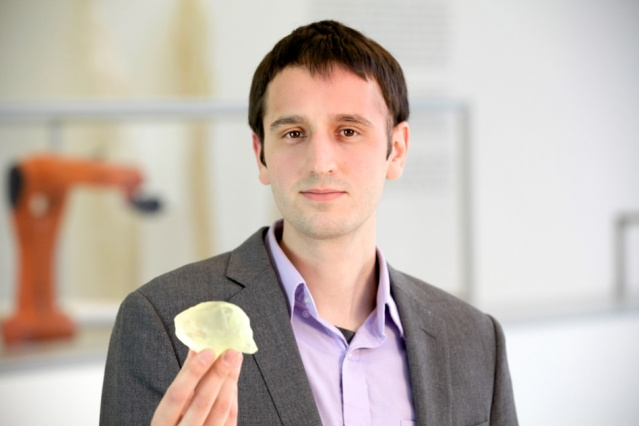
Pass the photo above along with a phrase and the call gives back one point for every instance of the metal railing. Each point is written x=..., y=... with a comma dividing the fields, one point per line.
x=623, y=225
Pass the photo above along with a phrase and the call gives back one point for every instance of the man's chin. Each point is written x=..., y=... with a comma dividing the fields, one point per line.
x=322, y=228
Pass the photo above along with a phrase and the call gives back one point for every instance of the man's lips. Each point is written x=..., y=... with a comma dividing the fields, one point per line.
x=322, y=194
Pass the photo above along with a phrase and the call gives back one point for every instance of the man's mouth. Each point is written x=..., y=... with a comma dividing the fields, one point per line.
x=322, y=194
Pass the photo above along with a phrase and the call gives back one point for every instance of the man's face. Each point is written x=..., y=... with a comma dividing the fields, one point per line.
x=325, y=146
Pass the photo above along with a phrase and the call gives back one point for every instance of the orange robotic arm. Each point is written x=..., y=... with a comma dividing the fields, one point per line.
x=38, y=187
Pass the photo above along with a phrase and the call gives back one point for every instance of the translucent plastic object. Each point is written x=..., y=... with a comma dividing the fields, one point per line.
x=215, y=325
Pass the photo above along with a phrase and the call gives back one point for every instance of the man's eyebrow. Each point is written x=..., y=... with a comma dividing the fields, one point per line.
x=284, y=121
x=353, y=118
x=298, y=119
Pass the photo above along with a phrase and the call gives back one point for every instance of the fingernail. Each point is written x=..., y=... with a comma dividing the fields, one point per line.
x=207, y=356
x=231, y=357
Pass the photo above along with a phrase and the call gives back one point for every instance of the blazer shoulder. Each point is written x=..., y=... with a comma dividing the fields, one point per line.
x=188, y=281
x=215, y=278
x=437, y=303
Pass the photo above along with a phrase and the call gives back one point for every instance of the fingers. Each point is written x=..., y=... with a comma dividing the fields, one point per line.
x=224, y=409
x=215, y=398
x=234, y=376
x=180, y=392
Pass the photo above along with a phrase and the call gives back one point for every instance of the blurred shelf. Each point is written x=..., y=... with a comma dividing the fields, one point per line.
x=136, y=110
x=94, y=320
x=90, y=344
x=117, y=110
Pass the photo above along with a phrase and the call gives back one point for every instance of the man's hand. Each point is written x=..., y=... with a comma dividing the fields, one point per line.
x=203, y=392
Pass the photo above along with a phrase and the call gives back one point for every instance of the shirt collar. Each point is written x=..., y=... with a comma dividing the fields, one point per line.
x=291, y=280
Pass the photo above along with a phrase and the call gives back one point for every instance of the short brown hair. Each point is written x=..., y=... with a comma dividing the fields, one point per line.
x=321, y=46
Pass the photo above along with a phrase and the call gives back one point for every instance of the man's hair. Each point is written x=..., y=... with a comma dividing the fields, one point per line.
x=319, y=47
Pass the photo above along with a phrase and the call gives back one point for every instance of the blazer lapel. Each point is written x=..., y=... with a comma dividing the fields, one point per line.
x=278, y=357
x=428, y=353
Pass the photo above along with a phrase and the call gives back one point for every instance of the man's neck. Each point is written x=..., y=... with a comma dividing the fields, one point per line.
x=340, y=273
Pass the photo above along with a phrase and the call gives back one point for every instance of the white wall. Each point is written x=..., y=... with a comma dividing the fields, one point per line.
x=555, y=90
x=576, y=370
x=67, y=394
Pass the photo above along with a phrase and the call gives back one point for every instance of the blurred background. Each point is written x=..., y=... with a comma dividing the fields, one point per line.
x=520, y=194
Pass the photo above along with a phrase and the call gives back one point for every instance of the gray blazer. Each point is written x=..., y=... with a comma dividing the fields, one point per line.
x=456, y=354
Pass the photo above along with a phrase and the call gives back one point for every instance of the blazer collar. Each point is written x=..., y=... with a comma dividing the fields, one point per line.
x=427, y=349
x=278, y=357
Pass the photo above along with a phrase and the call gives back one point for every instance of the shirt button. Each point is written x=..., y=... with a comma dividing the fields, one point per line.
x=306, y=314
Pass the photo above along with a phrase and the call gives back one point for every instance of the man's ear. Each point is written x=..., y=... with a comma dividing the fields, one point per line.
x=400, y=139
x=257, y=150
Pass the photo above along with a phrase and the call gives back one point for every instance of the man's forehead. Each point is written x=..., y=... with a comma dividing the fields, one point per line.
x=332, y=72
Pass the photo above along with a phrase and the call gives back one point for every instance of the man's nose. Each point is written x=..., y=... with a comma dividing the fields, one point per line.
x=321, y=154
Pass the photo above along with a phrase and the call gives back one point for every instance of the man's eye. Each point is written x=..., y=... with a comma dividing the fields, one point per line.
x=294, y=134
x=349, y=132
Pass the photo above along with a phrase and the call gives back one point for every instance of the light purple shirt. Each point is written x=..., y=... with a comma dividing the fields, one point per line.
x=365, y=382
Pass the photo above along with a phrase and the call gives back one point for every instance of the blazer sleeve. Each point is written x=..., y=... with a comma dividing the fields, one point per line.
x=141, y=363
x=503, y=410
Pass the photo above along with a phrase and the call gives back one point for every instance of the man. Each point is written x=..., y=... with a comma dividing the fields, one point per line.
x=343, y=338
